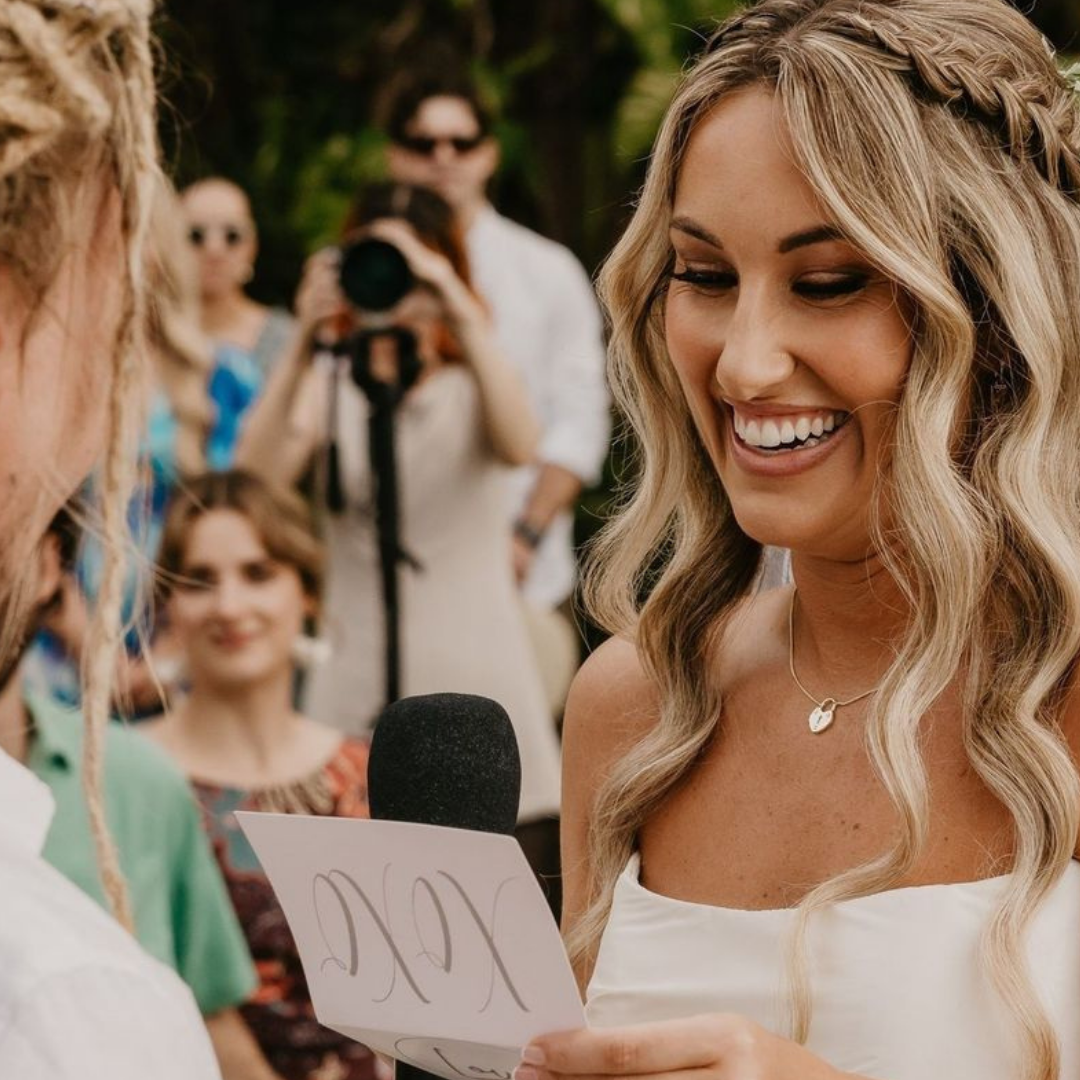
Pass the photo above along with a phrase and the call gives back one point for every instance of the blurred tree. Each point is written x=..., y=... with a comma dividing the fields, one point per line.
x=284, y=103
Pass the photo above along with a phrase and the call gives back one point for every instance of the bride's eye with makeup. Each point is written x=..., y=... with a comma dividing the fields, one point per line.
x=710, y=280
x=831, y=284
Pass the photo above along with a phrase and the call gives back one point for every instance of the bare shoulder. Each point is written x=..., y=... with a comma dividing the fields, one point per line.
x=611, y=701
x=1069, y=719
x=611, y=706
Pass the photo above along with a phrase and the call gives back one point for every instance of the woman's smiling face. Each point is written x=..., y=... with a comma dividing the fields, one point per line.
x=236, y=610
x=790, y=346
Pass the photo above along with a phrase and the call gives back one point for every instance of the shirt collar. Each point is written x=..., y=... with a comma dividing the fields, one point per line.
x=485, y=218
x=26, y=807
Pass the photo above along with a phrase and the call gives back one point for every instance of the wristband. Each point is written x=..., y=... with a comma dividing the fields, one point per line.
x=527, y=534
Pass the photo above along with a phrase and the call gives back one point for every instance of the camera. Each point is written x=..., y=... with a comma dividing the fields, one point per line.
x=374, y=275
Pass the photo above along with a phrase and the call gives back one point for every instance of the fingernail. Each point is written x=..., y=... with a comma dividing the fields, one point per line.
x=532, y=1055
x=525, y=1072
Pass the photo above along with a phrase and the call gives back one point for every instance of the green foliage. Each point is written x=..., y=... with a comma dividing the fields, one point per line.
x=282, y=97
x=657, y=24
x=285, y=103
x=665, y=33
x=327, y=180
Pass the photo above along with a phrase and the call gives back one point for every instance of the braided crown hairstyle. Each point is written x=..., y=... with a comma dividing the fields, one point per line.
x=943, y=141
x=77, y=96
x=1019, y=96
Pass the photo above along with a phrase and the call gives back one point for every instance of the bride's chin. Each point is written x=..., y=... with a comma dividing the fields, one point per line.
x=810, y=536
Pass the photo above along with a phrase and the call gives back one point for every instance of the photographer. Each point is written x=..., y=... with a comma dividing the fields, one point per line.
x=459, y=427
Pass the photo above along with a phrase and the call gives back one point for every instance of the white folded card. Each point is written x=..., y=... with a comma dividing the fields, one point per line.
x=433, y=945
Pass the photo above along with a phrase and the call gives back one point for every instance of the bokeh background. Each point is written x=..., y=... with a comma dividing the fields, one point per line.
x=283, y=97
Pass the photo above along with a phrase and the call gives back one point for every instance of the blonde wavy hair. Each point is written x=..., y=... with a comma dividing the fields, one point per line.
x=942, y=139
x=77, y=94
x=183, y=356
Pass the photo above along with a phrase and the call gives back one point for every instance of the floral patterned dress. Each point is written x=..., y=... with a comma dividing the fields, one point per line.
x=280, y=1013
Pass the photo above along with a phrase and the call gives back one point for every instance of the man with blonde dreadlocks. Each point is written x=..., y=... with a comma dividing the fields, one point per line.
x=78, y=997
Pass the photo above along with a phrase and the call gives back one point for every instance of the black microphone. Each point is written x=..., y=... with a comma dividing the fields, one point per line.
x=444, y=759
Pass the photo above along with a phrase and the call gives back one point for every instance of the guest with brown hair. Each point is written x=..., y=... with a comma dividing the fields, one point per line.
x=242, y=572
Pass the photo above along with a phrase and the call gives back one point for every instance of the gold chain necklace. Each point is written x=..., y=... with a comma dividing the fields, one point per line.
x=822, y=714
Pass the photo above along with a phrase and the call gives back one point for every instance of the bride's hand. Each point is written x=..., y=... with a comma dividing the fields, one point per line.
x=716, y=1046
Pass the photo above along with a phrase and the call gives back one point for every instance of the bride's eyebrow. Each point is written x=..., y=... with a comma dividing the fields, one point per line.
x=699, y=232
x=820, y=234
x=817, y=234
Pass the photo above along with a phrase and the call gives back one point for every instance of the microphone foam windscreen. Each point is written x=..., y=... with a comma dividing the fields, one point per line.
x=445, y=759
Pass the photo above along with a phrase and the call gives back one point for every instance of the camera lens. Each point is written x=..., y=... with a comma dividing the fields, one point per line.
x=374, y=275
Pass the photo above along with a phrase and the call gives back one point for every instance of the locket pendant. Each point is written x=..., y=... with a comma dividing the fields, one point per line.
x=822, y=716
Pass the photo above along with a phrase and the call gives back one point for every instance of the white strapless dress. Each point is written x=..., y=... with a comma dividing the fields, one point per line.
x=898, y=988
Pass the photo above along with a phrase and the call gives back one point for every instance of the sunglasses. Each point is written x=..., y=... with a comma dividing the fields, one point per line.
x=425, y=145
x=232, y=235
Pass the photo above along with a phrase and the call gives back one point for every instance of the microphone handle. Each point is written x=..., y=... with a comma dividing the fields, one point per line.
x=404, y=1071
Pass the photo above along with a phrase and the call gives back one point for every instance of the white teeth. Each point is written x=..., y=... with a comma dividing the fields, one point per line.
x=785, y=432
x=770, y=434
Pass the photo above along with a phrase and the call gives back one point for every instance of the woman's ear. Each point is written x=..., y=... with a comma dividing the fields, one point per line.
x=490, y=154
x=50, y=569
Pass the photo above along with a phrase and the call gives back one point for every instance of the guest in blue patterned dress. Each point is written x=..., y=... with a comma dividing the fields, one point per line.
x=193, y=416
x=247, y=337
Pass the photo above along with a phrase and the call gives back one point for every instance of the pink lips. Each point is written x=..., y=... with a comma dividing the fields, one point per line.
x=233, y=642
x=789, y=463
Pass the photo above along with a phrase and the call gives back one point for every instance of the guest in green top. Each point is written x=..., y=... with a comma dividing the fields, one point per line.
x=183, y=914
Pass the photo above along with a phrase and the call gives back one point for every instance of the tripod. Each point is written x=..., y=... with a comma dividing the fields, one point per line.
x=384, y=389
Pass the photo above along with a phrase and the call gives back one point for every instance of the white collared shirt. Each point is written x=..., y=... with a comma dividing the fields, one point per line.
x=548, y=324
x=78, y=997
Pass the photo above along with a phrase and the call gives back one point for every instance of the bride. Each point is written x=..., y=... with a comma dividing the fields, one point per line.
x=831, y=829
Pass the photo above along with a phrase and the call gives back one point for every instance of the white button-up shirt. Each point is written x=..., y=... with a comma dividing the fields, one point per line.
x=78, y=998
x=548, y=324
